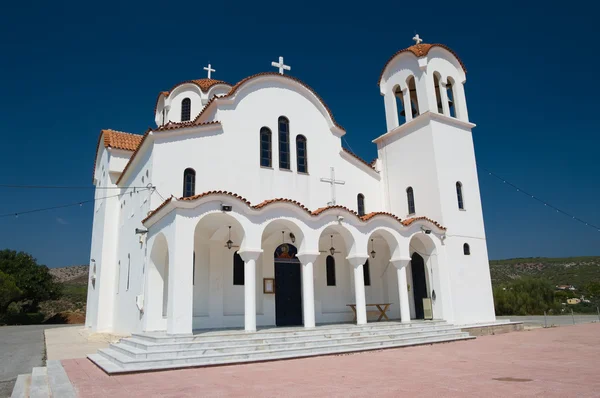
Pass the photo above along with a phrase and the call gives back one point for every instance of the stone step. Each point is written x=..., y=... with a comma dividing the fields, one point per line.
x=22, y=386
x=196, y=349
x=59, y=383
x=39, y=383
x=272, y=332
x=268, y=338
x=113, y=361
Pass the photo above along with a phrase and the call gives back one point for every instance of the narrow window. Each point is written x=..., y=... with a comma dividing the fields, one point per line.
x=361, y=204
x=459, y=196
x=194, y=268
x=238, y=270
x=410, y=197
x=438, y=95
x=466, y=249
x=301, y=154
x=128, y=271
x=189, y=183
x=284, y=143
x=118, y=276
x=367, y=273
x=400, y=105
x=450, y=91
x=414, y=99
x=186, y=109
x=265, y=147
x=330, y=265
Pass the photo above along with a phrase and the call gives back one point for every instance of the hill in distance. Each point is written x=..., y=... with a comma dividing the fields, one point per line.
x=576, y=271
x=74, y=274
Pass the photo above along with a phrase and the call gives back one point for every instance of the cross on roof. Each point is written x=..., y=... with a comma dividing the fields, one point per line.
x=417, y=39
x=208, y=68
x=332, y=181
x=281, y=66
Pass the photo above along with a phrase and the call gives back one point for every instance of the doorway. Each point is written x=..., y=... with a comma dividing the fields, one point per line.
x=419, y=284
x=288, y=286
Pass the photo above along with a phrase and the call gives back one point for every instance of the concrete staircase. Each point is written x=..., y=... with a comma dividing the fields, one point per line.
x=44, y=382
x=155, y=351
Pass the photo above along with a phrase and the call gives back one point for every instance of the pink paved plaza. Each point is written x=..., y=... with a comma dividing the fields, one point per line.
x=561, y=362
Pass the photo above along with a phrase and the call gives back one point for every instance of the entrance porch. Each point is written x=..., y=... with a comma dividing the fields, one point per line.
x=277, y=263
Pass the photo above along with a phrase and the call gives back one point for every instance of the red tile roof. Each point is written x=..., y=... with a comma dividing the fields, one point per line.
x=370, y=165
x=315, y=213
x=241, y=82
x=121, y=140
x=118, y=140
x=203, y=84
x=420, y=50
x=144, y=139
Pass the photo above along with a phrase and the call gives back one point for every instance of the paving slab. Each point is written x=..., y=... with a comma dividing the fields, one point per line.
x=554, y=362
x=75, y=342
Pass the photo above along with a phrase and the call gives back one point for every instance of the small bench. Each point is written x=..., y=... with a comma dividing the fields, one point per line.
x=381, y=310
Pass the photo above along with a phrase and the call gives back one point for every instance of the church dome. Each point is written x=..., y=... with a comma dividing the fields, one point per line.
x=421, y=50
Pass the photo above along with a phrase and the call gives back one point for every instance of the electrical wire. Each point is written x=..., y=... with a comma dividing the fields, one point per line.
x=80, y=203
x=540, y=200
x=61, y=187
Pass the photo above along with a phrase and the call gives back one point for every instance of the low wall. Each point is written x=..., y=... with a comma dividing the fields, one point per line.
x=487, y=330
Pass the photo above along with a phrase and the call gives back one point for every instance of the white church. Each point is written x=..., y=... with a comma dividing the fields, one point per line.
x=242, y=209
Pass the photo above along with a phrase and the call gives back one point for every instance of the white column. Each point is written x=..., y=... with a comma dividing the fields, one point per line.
x=181, y=253
x=308, y=287
x=359, y=288
x=250, y=258
x=444, y=98
x=407, y=105
x=400, y=265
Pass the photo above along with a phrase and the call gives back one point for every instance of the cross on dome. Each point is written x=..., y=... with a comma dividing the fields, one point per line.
x=209, y=69
x=417, y=39
x=281, y=66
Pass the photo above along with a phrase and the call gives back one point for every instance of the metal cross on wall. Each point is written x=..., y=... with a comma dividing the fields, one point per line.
x=208, y=68
x=281, y=66
x=417, y=39
x=332, y=181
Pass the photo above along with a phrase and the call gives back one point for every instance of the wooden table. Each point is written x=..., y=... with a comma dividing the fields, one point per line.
x=381, y=310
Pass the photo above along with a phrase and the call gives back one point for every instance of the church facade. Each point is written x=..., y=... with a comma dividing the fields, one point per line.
x=242, y=208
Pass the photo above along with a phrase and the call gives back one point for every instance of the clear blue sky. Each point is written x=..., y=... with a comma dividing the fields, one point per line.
x=69, y=69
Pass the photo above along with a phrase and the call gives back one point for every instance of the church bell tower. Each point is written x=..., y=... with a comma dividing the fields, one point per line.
x=427, y=156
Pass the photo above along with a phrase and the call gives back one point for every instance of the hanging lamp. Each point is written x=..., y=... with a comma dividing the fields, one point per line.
x=332, y=249
x=372, y=250
x=229, y=242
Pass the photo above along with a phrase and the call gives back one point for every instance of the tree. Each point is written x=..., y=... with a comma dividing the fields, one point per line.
x=34, y=280
x=9, y=291
x=525, y=296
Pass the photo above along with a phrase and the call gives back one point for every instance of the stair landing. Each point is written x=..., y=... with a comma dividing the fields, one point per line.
x=159, y=351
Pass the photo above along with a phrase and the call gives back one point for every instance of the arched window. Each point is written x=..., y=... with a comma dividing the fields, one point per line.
x=367, y=273
x=265, y=147
x=466, y=249
x=459, y=195
x=414, y=100
x=400, y=105
x=238, y=269
x=410, y=197
x=284, y=143
x=450, y=91
x=438, y=95
x=330, y=269
x=186, y=109
x=189, y=183
x=361, y=204
x=301, y=154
